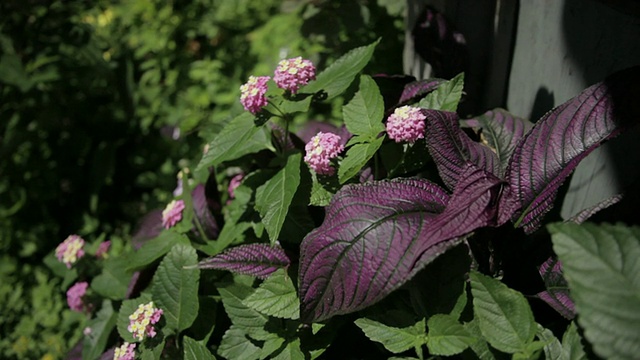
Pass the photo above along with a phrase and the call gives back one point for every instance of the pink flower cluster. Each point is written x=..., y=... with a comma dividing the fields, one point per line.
x=321, y=150
x=252, y=93
x=70, y=250
x=125, y=352
x=172, y=214
x=291, y=74
x=406, y=124
x=75, y=295
x=142, y=320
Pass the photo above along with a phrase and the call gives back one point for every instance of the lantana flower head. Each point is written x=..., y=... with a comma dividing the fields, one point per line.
x=172, y=214
x=142, y=320
x=321, y=150
x=125, y=352
x=70, y=250
x=75, y=296
x=252, y=93
x=406, y=124
x=291, y=74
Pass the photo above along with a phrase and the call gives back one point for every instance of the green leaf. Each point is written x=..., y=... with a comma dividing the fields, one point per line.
x=175, y=289
x=292, y=107
x=291, y=352
x=155, y=249
x=114, y=279
x=150, y=350
x=356, y=158
x=127, y=308
x=274, y=197
x=363, y=114
x=101, y=327
x=238, y=138
x=572, y=348
x=276, y=297
x=236, y=344
x=503, y=314
x=242, y=317
x=336, y=78
x=447, y=336
x=602, y=268
x=270, y=346
x=553, y=347
x=446, y=97
x=194, y=350
x=396, y=340
x=480, y=347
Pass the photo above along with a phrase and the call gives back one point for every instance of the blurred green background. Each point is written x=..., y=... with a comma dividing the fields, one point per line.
x=102, y=102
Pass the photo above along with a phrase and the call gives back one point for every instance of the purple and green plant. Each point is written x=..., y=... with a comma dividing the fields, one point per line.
x=423, y=230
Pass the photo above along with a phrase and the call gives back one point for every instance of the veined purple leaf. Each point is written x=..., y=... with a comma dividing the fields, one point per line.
x=259, y=260
x=452, y=149
x=203, y=212
x=557, y=293
x=562, y=138
x=377, y=236
x=417, y=89
x=501, y=130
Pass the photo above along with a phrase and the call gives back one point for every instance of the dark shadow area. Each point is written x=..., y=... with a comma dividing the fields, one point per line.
x=601, y=40
x=543, y=102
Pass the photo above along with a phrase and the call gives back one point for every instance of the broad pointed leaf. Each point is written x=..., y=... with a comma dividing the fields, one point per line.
x=446, y=97
x=363, y=114
x=394, y=339
x=236, y=344
x=242, y=317
x=259, y=260
x=274, y=197
x=356, y=158
x=175, y=287
x=572, y=348
x=601, y=266
x=376, y=236
x=585, y=214
x=503, y=314
x=239, y=137
x=114, y=279
x=557, y=293
x=194, y=350
x=101, y=327
x=447, y=336
x=562, y=138
x=452, y=149
x=336, y=78
x=553, y=348
x=276, y=297
x=418, y=89
x=501, y=130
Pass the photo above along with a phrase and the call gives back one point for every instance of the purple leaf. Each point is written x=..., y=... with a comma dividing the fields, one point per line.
x=259, y=260
x=202, y=210
x=148, y=228
x=377, y=236
x=418, y=89
x=557, y=293
x=452, y=149
x=501, y=130
x=562, y=138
